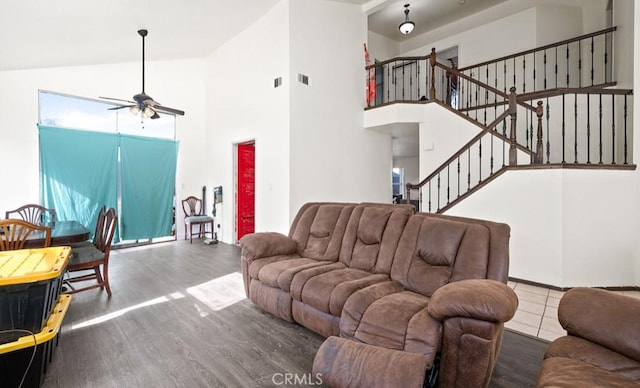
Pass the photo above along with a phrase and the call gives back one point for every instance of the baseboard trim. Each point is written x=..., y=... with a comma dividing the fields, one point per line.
x=612, y=288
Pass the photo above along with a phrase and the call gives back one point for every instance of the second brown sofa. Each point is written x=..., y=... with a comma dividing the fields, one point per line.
x=387, y=284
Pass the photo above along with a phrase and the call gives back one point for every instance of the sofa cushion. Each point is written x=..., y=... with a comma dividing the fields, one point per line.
x=371, y=236
x=343, y=363
x=329, y=291
x=434, y=251
x=280, y=273
x=591, y=353
x=318, y=229
x=390, y=316
x=566, y=372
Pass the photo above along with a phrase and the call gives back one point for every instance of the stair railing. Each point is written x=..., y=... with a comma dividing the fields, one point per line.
x=583, y=61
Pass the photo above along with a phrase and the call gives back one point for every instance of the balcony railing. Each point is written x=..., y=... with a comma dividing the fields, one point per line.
x=563, y=119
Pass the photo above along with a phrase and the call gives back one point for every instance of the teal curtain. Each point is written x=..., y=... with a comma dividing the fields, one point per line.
x=148, y=174
x=78, y=172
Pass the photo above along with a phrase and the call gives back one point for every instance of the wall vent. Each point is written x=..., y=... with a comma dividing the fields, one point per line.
x=303, y=79
x=277, y=82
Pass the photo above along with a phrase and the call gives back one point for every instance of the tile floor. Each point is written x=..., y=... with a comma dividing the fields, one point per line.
x=537, y=313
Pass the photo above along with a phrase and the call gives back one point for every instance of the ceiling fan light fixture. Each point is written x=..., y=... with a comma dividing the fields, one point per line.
x=407, y=26
x=134, y=109
x=148, y=112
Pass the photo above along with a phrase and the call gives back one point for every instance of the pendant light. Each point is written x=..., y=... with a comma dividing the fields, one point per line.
x=407, y=26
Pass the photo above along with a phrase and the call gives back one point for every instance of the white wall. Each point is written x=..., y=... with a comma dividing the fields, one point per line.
x=175, y=83
x=333, y=158
x=562, y=232
x=242, y=104
x=636, y=139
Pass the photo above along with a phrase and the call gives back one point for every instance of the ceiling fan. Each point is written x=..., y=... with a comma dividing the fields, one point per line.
x=143, y=103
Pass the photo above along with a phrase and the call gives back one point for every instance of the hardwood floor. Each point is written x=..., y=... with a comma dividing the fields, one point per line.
x=178, y=318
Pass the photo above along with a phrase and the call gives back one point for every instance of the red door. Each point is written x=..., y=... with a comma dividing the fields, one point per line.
x=246, y=189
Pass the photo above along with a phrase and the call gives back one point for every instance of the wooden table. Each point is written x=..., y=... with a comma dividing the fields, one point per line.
x=62, y=233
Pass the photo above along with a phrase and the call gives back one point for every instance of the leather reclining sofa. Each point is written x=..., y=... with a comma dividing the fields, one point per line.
x=406, y=299
x=602, y=345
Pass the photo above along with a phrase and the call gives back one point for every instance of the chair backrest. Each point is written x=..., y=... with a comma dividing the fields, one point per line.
x=192, y=206
x=105, y=229
x=14, y=234
x=33, y=213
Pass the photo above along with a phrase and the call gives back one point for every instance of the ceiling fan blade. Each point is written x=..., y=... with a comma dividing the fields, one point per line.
x=120, y=107
x=117, y=99
x=155, y=115
x=168, y=110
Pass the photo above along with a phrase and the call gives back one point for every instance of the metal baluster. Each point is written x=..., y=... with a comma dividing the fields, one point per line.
x=575, y=128
x=600, y=128
x=625, y=129
x=563, y=131
x=613, y=129
x=524, y=73
x=556, y=68
x=429, y=195
x=438, y=193
x=548, y=142
x=448, y=184
x=480, y=164
x=458, y=176
x=567, y=64
x=606, y=56
x=504, y=141
x=545, y=69
x=411, y=86
x=468, y=169
x=535, y=85
x=491, y=156
x=514, y=71
x=588, y=129
x=403, y=80
x=504, y=76
x=592, y=73
x=580, y=63
x=388, y=88
x=418, y=79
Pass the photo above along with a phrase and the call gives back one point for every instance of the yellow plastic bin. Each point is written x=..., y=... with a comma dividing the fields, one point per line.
x=30, y=285
x=26, y=359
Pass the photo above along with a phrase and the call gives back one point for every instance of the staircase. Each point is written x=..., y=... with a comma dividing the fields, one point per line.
x=551, y=107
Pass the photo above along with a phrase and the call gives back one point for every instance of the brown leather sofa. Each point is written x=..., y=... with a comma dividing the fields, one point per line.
x=602, y=345
x=399, y=294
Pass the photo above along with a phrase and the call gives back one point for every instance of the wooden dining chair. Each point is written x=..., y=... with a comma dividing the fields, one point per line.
x=193, y=215
x=90, y=256
x=34, y=214
x=14, y=234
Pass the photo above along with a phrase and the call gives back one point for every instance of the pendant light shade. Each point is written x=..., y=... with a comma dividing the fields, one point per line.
x=407, y=26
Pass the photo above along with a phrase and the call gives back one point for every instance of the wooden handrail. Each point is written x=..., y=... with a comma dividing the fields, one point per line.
x=461, y=151
x=545, y=47
x=378, y=64
x=561, y=91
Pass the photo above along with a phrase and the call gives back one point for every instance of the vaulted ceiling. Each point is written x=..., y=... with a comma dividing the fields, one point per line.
x=49, y=33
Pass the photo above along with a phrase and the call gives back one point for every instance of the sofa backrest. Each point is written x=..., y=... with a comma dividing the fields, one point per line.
x=318, y=229
x=435, y=250
x=372, y=236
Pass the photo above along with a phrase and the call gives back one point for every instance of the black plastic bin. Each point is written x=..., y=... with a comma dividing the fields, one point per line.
x=30, y=285
x=20, y=359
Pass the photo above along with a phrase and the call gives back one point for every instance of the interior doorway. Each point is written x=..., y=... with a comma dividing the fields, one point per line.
x=245, y=189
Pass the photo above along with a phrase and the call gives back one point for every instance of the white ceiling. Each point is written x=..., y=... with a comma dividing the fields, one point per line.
x=48, y=33
x=51, y=33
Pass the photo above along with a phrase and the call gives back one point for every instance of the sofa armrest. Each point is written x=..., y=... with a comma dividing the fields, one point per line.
x=482, y=299
x=603, y=317
x=257, y=245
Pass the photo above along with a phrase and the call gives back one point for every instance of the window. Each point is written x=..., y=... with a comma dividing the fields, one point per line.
x=397, y=179
x=91, y=155
x=66, y=111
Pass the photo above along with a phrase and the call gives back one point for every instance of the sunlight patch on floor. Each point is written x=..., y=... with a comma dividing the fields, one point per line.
x=121, y=312
x=220, y=292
